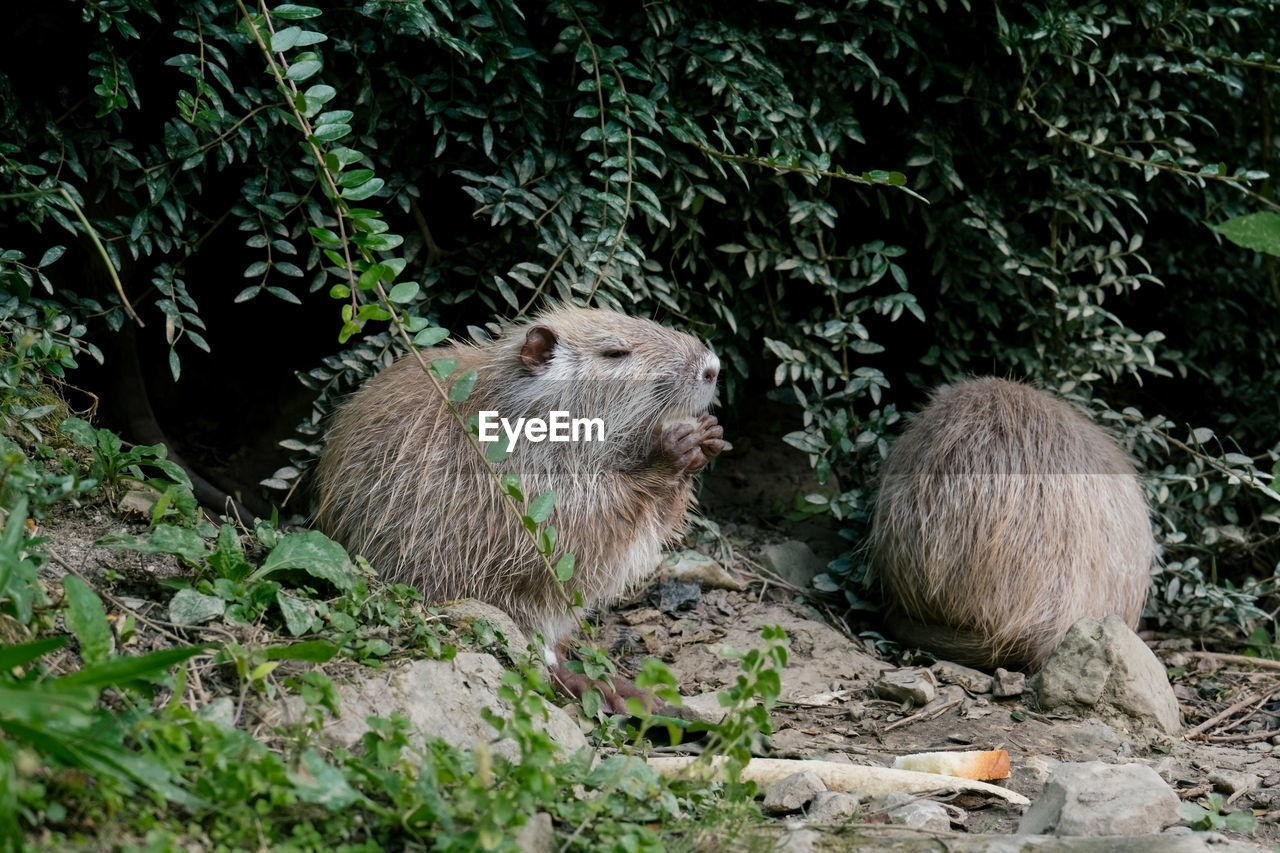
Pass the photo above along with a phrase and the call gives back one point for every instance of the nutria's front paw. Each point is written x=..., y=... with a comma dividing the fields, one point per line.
x=680, y=445
x=688, y=445
x=712, y=436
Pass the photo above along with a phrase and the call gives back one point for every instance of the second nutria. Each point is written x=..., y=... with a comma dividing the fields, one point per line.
x=1004, y=516
x=400, y=483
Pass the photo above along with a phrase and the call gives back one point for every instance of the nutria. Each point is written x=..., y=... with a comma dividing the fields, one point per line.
x=1004, y=516
x=400, y=483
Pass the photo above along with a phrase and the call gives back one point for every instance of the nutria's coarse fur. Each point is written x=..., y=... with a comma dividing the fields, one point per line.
x=1005, y=516
x=400, y=483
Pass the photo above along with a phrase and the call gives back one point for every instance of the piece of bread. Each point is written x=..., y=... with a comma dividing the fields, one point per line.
x=988, y=764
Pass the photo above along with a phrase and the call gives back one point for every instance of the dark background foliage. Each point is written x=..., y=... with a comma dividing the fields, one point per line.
x=853, y=202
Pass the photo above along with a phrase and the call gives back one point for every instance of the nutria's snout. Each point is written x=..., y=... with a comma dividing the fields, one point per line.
x=710, y=368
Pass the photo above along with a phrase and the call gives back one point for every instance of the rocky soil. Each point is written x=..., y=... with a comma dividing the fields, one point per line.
x=844, y=699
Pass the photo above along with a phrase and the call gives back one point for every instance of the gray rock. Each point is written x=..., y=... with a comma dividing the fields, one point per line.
x=1103, y=667
x=1235, y=784
x=220, y=711
x=441, y=698
x=1031, y=772
x=695, y=567
x=538, y=835
x=1198, y=842
x=800, y=840
x=975, y=681
x=1008, y=684
x=922, y=814
x=1097, y=799
x=792, y=793
x=793, y=562
x=1093, y=739
x=909, y=810
x=466, y=611
x=702, y=708
x=672, y=596
x=833, y=807
x=916, y=686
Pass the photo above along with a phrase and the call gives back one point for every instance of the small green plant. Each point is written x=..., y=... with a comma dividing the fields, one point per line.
x=52, y=723
x=1263, y=642
x=117, y=467
x=41, y=483
x=1215, y=817
x=300, y=583
x=20, y=590
x=39, y=341
x=748, y=702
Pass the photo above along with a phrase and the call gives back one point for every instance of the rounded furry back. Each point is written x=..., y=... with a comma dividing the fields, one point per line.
x=1004, y=516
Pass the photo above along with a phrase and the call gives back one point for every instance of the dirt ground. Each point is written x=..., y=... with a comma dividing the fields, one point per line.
x=829, y=710
x=1230, y=708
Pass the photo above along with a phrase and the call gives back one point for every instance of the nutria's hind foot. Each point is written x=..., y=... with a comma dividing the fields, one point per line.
x=614, y=692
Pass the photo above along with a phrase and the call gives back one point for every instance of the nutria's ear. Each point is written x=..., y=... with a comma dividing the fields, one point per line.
x=539, y=346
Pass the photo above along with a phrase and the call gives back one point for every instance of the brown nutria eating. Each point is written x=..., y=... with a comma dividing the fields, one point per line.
x=1004, y=516
x=400, y=483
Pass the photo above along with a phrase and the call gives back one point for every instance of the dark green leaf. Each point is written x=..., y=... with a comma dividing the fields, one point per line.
x=313, y=651
x=126, y=669
x=430, y=337
x=12, y=657
x=188, y=607
x=294, y=12
x=365, y=190
x=461, y=387
x=1257, y=231
x=297, y=613
x=303, y=69
x=312, y=552
x=51, y=254
x=541, y=506
x=320, y=783
x=405, y=291
x=87, y=619
x=80, y=431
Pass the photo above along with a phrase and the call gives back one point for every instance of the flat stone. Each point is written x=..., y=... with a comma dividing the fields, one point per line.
x=702, y=708
x=1235, y=784
x=913, y=685
x=441, y=698
x=792, y=793
x=909, y=810
x=1008, y=684
x=1095, y=799
x=834, y=807
x=800, y=840
x=973, y=680
x=538, y=835
x=695, y=567
x=793, y=562
x=467, y=611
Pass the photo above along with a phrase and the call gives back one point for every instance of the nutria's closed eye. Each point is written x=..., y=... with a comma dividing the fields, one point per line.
x=616, y=353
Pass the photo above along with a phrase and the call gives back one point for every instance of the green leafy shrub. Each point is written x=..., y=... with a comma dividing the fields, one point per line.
x=852, y=203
